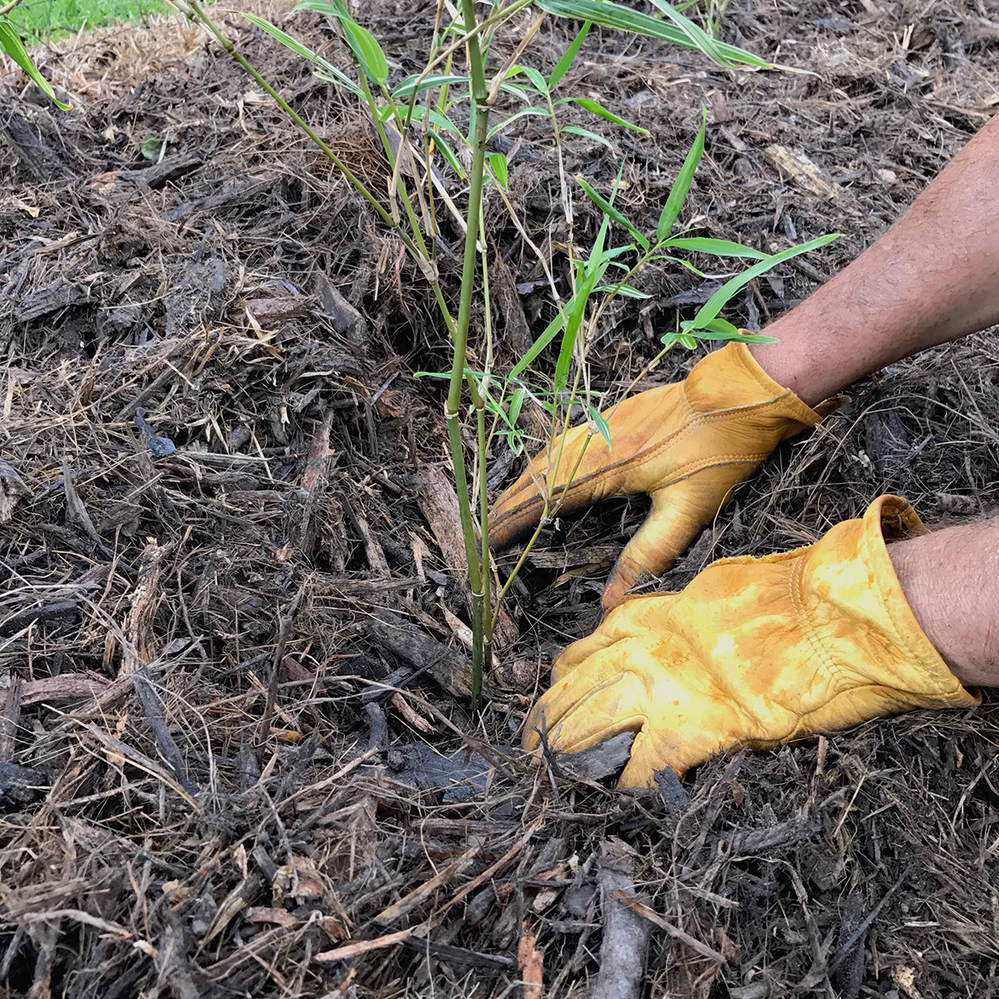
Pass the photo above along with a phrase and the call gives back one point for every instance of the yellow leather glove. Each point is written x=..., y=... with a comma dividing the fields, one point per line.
x=755, y=651
x=686, y=444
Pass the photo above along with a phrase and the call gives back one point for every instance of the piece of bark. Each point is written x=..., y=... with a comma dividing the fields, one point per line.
x=32, y=150
x=602, y=760
x=460, y=955
x=59, y=610
x=626, y=934
x=10, y=716
x=20, y=786
x=417, y=650
x=58, y=295
x=346, y=320
x=280, y=309
x=76, y=513
x=647, y=913
x=418, y=895
x=803, y=171
x=12, y=489
x=439, y=505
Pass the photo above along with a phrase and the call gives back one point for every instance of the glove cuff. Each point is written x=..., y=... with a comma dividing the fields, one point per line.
x=848, y=575
x=731, y=377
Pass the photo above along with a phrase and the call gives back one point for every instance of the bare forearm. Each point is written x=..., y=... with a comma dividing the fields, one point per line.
x=951, y=581
x=931, y=278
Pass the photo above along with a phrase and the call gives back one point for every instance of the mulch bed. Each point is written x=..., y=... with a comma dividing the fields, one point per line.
x=236, y=756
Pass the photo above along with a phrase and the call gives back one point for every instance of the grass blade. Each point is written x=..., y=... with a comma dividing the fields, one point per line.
x=594, y=107
x=562, y=66
x=615, y=15
x=10, y=42
x=587, y=134
x=605, y=206
x=716, y=302
x=716, y=247
x=681, y=186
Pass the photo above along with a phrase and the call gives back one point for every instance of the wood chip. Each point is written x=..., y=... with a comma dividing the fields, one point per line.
x=409, y=902
x=803, y=171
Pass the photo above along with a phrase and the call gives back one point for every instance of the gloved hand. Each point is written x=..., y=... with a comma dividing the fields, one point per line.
x=755, y=651
x=686, y=444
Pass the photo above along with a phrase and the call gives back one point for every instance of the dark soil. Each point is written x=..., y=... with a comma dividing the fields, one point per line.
x=228, y=668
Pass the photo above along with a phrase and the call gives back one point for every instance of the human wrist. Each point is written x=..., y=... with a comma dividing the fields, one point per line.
x=949, y=579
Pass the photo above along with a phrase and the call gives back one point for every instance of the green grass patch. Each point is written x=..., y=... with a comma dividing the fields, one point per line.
x=40, y=19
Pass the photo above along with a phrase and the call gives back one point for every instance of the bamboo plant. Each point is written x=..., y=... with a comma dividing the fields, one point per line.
x=417, y=125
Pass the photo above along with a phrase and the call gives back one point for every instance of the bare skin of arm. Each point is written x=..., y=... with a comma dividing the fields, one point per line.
x=931, y=278
x=951, y=581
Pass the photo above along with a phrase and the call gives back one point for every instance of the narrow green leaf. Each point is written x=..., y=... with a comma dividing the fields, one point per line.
x=525, y=94
x=604, y=205
x=615, y=15
x=535, y=111
x=716, y=247
x=594, y=107
x=625, y=291
x=681, y=186
x=456, y=165
x=498, y=162
x=698, y=36
x=361, y=42
x=677, y=260
x=562, y=66
x=10, y=42
x=601, y=424
x=339, y=78
x=436, y=118
x=539, y=82
x=409, y=86
x=717, y=301
x=549, y=334
x=330, y=72
x=587, y=134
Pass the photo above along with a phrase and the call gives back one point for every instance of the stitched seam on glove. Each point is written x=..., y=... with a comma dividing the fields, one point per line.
x=795, y=587
x=643, y=457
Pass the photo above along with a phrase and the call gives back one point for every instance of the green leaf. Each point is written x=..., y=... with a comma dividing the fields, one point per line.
x=625, y=291
x=615, y=15
x=678, y=192
x=601, y=424
x=330, y=73
x=716, y=247
x=698, y=36
x=562, y=66
x=722, y=329
x=362, y=43
x=594, y=107
x=613, y=212
x=525, y=94
x=456, y=165
x=10, y=42
x=717, y=301
x=498, y=162
x=539, y=82
x=152, y=145
x=587, y=134
x=436, y=118
x=409, y=86
x=677, y=260
x=549, y=334
x=537, y=111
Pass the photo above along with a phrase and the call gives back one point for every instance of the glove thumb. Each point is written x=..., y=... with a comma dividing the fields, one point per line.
x=669, y=528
